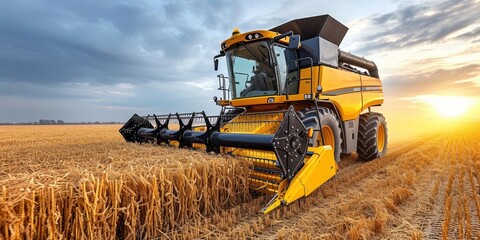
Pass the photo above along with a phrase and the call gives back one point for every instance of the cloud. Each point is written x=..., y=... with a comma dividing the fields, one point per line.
x=425, y=23
x=435, y=99
x=103, y=60
x=109, y=41
x=120, y=54
x=441, y=81
x=206, y=85
x=474, y=34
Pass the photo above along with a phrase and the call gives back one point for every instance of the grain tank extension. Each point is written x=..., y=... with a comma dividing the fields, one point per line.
x=292, y=103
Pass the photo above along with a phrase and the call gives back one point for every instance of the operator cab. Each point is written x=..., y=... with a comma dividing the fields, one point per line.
x=254, y=72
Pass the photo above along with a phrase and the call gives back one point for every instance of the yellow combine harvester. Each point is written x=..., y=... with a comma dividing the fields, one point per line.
x=289, y=106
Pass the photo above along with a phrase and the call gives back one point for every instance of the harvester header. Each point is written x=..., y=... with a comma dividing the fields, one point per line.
x=291, y=104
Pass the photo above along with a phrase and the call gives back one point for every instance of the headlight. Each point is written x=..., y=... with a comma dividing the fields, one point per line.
x=253, y=36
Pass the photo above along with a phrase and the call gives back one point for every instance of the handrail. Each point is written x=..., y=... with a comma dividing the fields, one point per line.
x=221, y=86
x=287, y=82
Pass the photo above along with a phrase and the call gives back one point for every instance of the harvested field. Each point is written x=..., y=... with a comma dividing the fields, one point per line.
x=86, y=182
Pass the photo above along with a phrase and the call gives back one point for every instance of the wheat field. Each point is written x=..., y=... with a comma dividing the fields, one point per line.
x=85, y=182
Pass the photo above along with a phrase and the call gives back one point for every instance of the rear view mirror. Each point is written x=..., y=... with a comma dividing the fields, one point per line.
x=216, y=64
x=215, y=60
x=294, y=42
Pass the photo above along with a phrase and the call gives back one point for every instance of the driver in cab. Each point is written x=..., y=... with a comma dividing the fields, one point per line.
x=259, y=81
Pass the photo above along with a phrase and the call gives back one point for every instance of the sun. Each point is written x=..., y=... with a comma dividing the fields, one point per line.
x=451, y=106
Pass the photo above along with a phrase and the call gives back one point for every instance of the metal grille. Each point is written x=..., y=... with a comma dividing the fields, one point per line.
x=261, y=122
x=264, y=122
x=266, y=174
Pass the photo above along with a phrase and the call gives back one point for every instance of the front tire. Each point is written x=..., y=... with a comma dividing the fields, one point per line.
x=330, y=128
x=372, y=136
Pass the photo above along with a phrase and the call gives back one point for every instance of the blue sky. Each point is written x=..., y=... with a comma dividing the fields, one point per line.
x=105, y=60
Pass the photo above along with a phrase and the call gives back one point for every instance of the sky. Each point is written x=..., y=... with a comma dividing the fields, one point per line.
x=105, y=60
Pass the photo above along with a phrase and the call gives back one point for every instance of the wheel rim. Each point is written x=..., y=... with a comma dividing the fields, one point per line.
x=380, y=138
x=328, y=136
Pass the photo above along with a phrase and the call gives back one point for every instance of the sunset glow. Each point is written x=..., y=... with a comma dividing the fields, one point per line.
x=451, y=106
x=447, y=106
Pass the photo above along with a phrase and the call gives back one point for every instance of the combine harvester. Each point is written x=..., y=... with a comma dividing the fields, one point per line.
x=290, y=107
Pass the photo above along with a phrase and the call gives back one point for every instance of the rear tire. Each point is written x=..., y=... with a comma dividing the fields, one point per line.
x=330, y=128
x=372, y=136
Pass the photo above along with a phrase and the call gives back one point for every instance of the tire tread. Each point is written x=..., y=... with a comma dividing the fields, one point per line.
x=367, y=136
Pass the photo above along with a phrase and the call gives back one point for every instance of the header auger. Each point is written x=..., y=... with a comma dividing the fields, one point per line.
x=289, y=107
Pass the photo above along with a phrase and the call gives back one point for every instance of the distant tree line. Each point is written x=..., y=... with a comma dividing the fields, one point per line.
x=58, y=122
x=51, y=122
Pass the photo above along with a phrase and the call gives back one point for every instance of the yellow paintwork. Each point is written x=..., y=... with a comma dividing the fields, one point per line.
x=349, y=105
x=241, y=37
x=333, y=79
x=371, y=98
x=223, y=102
x=318, y=169
x=370, y=81
x=350, y=92
x=242, y=102
x=380, y=138
x=307, y=83
x=250, y=124
x=328, y=136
